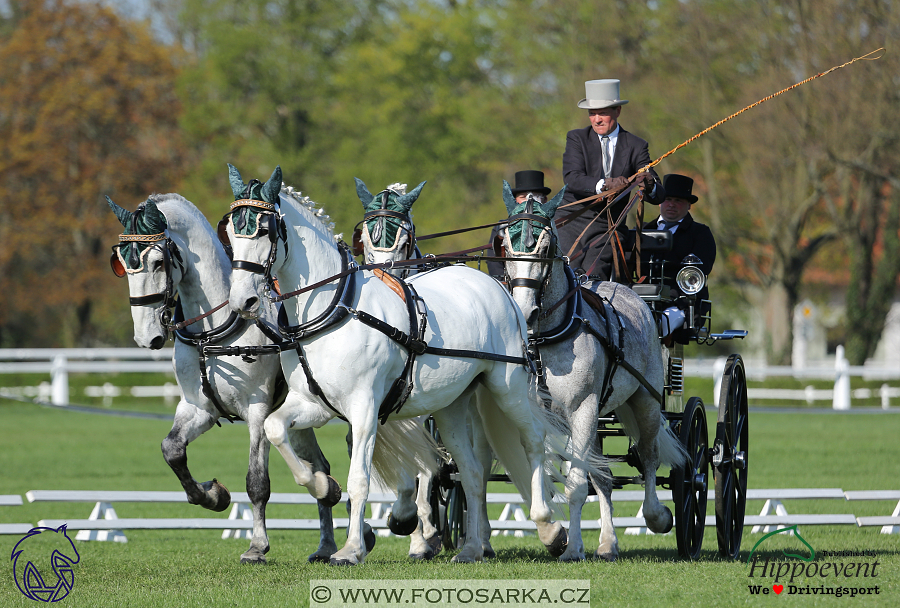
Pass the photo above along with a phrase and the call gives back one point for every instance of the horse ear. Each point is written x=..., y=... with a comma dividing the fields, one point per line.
x=508, y=199
x=154, y=218
x=365, y=197
x=406, y=201
x=550, y=207
x=272, y=187
x=237, y=184
x=124, y=215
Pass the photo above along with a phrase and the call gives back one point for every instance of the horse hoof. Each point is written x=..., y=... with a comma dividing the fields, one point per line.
x=318, y=558
x=340, y=562
x=558, y=545
x=605, y=557
x=435, y=544
x=218, y=498
x=402, y=528
x=369, y=538
x=489, y=553
x=571, y=558
x=333, y=496
x=253, y=558
x=667, y=525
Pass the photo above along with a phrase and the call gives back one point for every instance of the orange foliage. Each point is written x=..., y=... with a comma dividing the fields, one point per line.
x=87, y=108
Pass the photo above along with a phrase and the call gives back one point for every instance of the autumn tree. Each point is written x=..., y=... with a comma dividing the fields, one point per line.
x=87, y=109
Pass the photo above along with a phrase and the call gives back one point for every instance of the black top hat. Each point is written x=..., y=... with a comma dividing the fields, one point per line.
x=530, y=181
x=679, y=186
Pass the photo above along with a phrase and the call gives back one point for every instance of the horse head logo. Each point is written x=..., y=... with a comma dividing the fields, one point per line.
x=39, y=551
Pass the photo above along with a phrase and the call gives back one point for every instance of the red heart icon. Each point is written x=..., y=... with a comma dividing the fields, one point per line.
x=777, y=589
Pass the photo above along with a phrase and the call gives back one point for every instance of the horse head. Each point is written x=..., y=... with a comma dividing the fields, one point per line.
x=530, y=233
x=153, y=264
x=255, y=213
x=387, y=232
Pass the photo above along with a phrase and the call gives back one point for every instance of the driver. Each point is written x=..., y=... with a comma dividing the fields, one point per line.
x=688, y=237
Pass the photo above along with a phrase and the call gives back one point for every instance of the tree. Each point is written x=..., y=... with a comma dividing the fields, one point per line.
x=87, y=108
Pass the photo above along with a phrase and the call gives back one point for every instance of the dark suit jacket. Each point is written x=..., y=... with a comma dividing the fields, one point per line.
x=691, y=237
x=582, y=169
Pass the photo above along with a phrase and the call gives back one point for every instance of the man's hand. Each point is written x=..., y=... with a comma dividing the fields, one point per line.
x=644, y=179
x=614, y=183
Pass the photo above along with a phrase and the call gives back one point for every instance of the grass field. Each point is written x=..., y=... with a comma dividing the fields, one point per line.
x=50, y=448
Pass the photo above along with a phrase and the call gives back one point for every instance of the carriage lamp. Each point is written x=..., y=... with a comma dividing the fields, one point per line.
x=690, y=279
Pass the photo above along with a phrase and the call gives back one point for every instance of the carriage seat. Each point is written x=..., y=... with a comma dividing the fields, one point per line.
x=656, y=240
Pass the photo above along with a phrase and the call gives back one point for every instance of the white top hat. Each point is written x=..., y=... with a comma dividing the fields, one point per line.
x=601, y=94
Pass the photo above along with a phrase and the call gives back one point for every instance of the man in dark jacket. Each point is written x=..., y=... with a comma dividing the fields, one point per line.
x=601, y=157
x=688, y=236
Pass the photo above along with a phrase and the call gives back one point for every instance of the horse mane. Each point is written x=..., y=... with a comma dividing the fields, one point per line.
x=311, y=210
x=182, y=207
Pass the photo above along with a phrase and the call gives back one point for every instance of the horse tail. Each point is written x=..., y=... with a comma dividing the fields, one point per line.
x=671, y=451
x=506, y=442
x=404, y=448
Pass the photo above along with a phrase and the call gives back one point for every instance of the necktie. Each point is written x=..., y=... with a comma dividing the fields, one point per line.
x=607, y=162
x=667, y=224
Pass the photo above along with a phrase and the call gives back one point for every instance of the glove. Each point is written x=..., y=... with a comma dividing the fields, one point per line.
x=614, y=183
x=645, y=179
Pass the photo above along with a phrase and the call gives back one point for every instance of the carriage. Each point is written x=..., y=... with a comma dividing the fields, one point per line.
x=726, y=457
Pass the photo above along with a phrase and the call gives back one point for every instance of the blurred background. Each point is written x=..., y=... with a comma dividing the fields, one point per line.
x=130, y=97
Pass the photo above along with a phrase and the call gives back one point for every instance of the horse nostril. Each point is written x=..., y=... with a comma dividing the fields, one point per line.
x=532, y=316
x=157, y=343
x=251, y=304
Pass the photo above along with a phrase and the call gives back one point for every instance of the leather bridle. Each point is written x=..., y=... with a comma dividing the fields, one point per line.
x=170, y=253
x=528, y=240
x=275, y=229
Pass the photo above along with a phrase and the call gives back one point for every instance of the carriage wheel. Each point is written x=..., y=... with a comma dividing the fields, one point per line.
x=730, y=454
x=455, y=529
x=448, y=508
x=690, y=482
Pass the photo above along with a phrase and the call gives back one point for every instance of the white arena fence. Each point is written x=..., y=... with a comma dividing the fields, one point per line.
x=58, y=363
x=104, y=524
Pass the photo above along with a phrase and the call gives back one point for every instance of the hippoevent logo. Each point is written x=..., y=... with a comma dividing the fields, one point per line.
x=39, y=556
x=799, y=574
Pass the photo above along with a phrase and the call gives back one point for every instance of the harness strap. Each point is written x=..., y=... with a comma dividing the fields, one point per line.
x=615, y=352
x=208, y=390
x=182, y=324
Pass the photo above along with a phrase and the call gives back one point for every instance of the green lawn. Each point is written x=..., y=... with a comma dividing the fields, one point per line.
x=50, y=448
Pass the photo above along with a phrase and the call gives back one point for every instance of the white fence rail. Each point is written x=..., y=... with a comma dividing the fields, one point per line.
x=104, y=524
x=58, y=363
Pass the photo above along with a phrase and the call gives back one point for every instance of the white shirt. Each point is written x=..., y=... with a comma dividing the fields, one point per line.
x=661, y=225
x=613, y=139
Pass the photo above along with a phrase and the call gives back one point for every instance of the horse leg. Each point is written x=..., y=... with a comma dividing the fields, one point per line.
x=608, y=549
x=354, y=551
x=511, y=395
x=305, y=445
x=298, y=414
x=647, y=417
x=583, y=424
x=258, y=488
x=458, y=442
x=191, y=422
x=485, y=457
x=425, y=542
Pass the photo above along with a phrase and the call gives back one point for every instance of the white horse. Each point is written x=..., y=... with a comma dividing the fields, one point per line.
x=168, y=248
x=386, y=235
x=346, y=365
x=569, y=335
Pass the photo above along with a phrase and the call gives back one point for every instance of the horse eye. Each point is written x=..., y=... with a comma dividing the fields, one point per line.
x=157, y=265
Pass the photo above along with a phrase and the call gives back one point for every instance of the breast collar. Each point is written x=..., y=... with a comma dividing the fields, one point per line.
x=337, y=310
x=572, y=319
x=232, y=325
